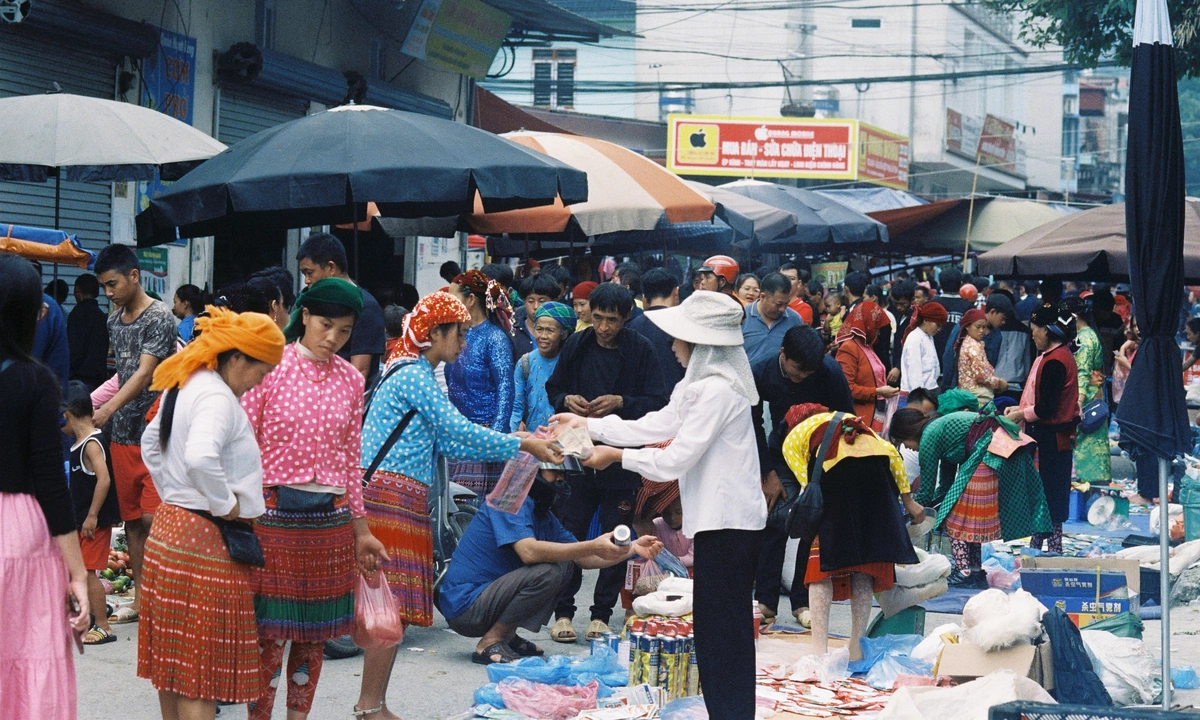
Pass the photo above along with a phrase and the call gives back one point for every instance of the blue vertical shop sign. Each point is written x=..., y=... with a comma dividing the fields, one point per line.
x=169, y=86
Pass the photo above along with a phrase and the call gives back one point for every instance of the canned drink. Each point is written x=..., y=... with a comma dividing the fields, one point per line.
x=597, y=644
x=637, y=634
x=693, y=685
x=653, y=645
x=668, y=664
x=614, y=642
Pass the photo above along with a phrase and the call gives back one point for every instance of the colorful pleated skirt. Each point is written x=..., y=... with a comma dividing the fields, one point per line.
x=398, y=515
x=976, y=516
x=883, y=574
x=306, y=591
x=37, y=672
x=196, y=636
x=480, y=477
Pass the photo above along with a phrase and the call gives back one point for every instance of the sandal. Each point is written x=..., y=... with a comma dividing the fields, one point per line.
x=563, y=631
x=98, y=636
x=124, y=614
x=597, y=629
x=525, y=648
x=356, y=712
x=496, y=649
x=803, y=617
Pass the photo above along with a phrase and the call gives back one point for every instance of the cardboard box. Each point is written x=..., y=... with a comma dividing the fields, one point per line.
x=1131, y=568
x=1084, y=611
x=1055, y=582
x=965, y=662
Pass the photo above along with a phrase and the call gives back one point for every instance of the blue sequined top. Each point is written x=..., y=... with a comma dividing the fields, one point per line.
x=480, y=382
x=436, y=428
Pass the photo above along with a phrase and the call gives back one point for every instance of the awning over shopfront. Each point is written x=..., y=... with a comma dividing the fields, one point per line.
x=69, y=20
x=542, y=20
x=996, y=220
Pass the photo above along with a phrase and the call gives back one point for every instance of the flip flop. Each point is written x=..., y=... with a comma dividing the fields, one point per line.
x=495, y=649
x=98, y=636
x=525, y=648
x=124, y=614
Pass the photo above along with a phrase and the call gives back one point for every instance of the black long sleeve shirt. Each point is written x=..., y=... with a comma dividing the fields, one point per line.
x=87, y=342
x=30, y=450
x=827, y=386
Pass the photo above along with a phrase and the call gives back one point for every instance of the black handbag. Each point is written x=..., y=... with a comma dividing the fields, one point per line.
x=808, y=511
x=239, y=538
x=1094, y=416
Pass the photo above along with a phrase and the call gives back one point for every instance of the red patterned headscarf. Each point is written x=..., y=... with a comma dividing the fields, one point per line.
x=864, y=322
x=970, y=316
x=432, y=310
x=799, y=413
x=494, y=298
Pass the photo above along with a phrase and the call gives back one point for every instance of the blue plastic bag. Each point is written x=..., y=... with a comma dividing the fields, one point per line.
x=874, y=649
x=489, y=695
x=688, y=708
x=603, y=667
x=553, y=671
x=1184, y=678
x=884, y=673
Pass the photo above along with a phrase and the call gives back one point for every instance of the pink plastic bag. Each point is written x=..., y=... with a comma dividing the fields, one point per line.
x=376, y=616
x=547, y=702
x=514, y=484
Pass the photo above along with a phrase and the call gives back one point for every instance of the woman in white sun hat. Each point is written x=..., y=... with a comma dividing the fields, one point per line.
x=714, y=456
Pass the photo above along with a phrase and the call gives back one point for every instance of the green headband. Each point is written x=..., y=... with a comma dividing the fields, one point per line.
x=333, y=291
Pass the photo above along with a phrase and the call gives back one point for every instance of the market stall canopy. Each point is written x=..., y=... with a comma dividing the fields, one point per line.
x=324, y=168
x=819, y=219
x=996, y=221
x=903, y=219
x=869, y=200
x=1088, y=245
x=625, y=192
x=543, y=20
x=46, y=246
x=86, y=139
x=749, y=218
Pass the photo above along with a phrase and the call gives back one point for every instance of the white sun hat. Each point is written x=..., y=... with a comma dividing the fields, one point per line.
x=705, y=318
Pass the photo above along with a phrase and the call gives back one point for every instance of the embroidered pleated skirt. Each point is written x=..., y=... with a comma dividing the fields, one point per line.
x=479, y=477
x=196, y=636
x=306, y=591
x=398, y=514
x=976, y=516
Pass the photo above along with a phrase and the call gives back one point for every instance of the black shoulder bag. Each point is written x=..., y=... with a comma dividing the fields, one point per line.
x=808, y=511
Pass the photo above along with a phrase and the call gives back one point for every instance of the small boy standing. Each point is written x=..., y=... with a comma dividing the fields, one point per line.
x=95, y=501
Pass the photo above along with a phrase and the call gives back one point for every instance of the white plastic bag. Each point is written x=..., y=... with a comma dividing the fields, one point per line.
x=928, y=570
x=1129, y=674
x=833, y=665
x=899, y=598
x=676, y=585
x=971, y=701
x=663, y=603
x=993, y=620
x=929, y=648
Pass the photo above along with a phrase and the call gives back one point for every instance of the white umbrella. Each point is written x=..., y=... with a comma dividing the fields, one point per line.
x=88, y=139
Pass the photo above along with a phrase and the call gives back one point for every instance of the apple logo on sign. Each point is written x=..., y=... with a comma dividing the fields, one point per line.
x=697, y=139
x=760, y=133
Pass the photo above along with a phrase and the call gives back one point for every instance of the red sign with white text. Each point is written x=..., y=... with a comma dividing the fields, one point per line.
x=763, y=147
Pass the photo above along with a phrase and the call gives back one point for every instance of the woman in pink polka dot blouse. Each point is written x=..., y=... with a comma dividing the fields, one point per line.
x=307, y=418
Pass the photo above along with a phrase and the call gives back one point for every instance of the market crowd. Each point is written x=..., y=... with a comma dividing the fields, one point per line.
x=264, y=449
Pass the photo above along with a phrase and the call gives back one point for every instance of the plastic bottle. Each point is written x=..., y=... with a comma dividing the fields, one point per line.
x=637, y=632
x=693, y=684
x=653, y=645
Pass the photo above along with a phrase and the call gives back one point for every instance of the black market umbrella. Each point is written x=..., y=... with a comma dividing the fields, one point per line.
x=324, y=168
x=820, y=220
x=749, y=218
x=1153, y=413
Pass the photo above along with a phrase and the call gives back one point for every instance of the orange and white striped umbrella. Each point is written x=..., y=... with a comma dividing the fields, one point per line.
x=626, y=191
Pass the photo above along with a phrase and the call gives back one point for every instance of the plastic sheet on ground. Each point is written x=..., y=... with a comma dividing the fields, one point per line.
x=827, y=668
x=688, y=708
x=602, y=667
x=970, y=701
x=875, y=649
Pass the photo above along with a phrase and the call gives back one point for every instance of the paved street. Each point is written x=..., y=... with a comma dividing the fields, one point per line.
x=434, y=677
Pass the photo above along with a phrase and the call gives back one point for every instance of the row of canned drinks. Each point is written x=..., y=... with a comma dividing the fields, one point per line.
x=661, y=653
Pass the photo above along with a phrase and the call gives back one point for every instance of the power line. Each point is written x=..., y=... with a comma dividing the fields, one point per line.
x=621, y=86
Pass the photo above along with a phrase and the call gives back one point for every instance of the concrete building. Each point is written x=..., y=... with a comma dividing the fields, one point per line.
x=232, y=68
x=1094, y=137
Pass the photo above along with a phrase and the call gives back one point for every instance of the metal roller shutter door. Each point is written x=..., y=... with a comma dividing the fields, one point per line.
x=29, y=66
x=247, y=110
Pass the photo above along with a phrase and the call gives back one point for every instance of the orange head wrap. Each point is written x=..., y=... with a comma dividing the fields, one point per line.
x=432, y=310
x=252, y=334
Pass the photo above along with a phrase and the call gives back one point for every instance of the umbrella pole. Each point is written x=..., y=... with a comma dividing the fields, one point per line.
x=971, y=212
x=1164, y=577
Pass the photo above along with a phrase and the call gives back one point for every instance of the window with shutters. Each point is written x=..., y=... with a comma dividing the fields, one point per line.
x=554, y=78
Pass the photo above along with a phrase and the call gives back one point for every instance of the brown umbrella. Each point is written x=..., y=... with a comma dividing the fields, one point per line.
x=1088, y=245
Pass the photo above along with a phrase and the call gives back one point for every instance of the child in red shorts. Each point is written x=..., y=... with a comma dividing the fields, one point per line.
x=95, y=500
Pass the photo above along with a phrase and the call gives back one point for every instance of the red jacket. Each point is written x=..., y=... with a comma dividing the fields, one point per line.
x=861, y=377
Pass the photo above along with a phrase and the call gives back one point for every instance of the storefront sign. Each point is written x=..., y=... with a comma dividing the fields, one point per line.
x=152, y=264
x=992, y=141
x=830, y=273
x=459, y=35
x=169, y=86
x=882, y=157
x=998, y=144
x=762, y=147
